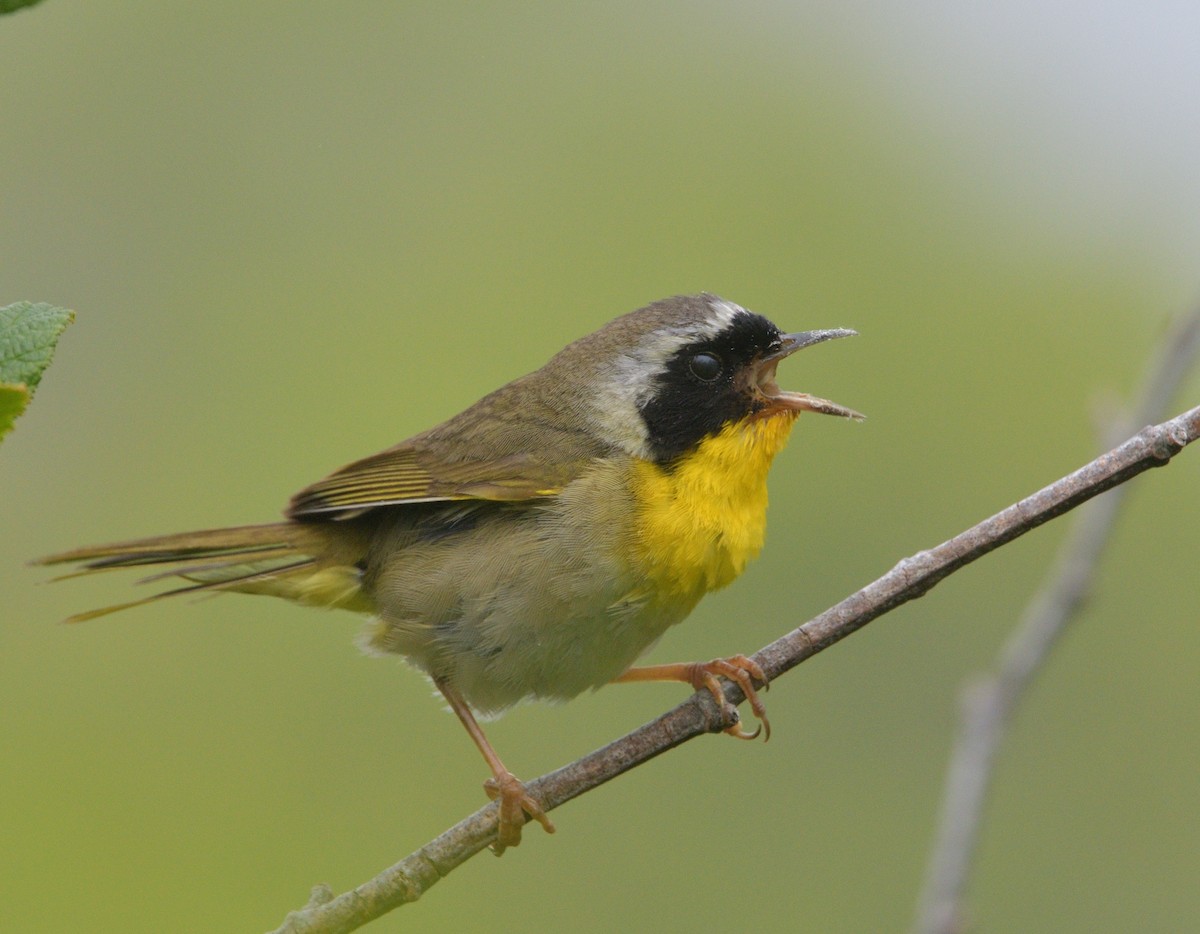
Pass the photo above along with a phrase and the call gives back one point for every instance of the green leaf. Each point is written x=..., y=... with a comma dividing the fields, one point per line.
x=13, y=399
x=28, y=334
x=7, y=6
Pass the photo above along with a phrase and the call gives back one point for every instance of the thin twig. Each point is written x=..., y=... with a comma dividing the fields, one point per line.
x=407, y=880
x=988, y=701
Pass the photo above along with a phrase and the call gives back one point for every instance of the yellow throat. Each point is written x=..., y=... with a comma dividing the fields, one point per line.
x=699, y=523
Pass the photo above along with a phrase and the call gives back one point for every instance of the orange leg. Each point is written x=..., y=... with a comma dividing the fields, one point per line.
x=737, y=668
x=515, y=801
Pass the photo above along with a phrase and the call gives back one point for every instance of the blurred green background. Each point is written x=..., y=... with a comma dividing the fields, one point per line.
x=296, y=233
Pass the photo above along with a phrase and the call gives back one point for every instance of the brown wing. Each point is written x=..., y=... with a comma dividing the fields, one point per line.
x=412, y=475
x=515, y=444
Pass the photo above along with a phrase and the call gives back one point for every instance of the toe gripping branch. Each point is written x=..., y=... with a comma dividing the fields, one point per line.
x=743, y=671
x=740, y=669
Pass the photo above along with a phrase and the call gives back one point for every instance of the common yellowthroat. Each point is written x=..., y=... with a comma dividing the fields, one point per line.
x=534, y=545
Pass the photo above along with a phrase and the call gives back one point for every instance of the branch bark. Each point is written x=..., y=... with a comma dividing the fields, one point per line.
x=989, y=701
x=408, y=879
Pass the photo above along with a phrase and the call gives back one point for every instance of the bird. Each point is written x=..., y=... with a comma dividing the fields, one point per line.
x=535, y=545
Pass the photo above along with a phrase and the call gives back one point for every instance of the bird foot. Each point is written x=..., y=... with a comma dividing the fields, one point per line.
x=515, y=803
x=743, y=671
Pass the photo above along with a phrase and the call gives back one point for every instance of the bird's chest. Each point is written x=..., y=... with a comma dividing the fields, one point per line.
x=699, y=522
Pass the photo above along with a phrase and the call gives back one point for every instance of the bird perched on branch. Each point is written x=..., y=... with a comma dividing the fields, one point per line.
x=537, y=543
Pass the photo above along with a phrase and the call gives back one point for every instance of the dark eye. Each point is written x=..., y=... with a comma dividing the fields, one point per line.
x=705, y=366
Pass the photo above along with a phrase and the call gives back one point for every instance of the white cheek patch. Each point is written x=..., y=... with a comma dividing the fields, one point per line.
x=631, y=377
x=616, y=409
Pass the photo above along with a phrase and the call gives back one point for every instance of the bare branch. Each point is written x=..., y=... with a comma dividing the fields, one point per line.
x=407, y=880
x=988, y=701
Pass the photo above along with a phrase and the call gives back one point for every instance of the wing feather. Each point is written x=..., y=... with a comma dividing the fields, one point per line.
x=522, y=442
x=410, y=475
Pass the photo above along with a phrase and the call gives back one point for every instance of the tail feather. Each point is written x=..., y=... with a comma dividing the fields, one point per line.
x=207, y=569
x=284, y=560
x=161, y=549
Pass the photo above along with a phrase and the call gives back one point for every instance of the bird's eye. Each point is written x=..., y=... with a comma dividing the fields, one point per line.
x=705, y=366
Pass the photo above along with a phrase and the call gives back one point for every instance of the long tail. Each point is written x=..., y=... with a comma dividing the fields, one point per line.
x=285, y=559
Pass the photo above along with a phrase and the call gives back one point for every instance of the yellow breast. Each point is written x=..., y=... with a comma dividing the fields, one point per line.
x=699, y=523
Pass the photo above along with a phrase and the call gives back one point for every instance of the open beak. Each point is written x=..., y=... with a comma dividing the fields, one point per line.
x=777, y=399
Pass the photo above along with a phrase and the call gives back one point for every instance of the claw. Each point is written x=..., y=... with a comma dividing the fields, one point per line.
x=740, y=669
x=743, y=671
x=737, y=732
x=515, y=803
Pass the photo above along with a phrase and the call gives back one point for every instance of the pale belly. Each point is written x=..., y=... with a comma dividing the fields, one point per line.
x=537, y=603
